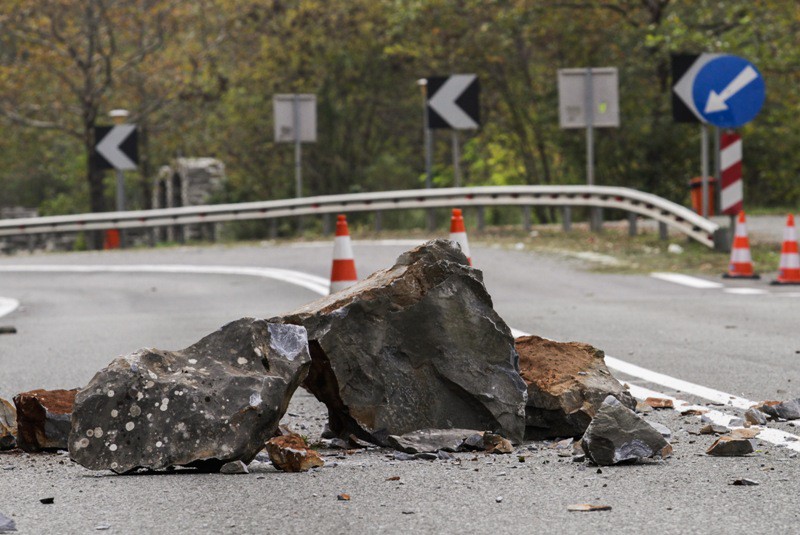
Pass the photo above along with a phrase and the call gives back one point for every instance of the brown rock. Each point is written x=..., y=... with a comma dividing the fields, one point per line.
x=745, y=433
x=711, y=429
x=661, y=403
x=496, y=444
x=290, y=453
x=8, y=425
x=567, y=383
x=43, y=419
x=729, y=446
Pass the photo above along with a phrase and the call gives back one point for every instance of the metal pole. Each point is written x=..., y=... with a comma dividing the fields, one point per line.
x=298, y=168
x=428, y=152
x=589, y=106
x=456, y=159
x=121, y=202
x=704, y=166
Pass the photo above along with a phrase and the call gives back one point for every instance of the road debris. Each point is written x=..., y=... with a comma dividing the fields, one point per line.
x=787, y=410
x=662, y=429
x=8, y=329
x=660, y=403
x=387, y=352
x=291, y=454
x=43, y=419
x=755, y=417
x=587, y=507
x=214, y=402
x=430, y=440
x=48, y=500
x=744, y=482
x=617, y=434
x=567, y=383
x=8, y=425
x=728, y=446
x=713, y=429
x=343, y=497
x=7, y=525
x=234, y=467
x=745, y=433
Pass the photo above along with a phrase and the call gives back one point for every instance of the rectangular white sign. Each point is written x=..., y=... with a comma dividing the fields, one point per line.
x=292, y=110
x=573, y=97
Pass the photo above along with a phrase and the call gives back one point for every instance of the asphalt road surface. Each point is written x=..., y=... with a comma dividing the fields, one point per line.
x=734, y=342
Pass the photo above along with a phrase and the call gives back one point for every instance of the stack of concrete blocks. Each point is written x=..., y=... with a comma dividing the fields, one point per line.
x=188, y=182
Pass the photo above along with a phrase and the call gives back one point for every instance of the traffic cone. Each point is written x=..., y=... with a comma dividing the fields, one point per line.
x=790, y=259
x=343, y=272
x=458, y=233
x=741, y=266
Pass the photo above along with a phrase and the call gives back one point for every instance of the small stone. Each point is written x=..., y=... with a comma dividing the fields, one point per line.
x=339, y=443
x=663, y=429
x=586, y=507
x=426, y=456
x=727, y=446
x=8, y=329
x=711, y=429
x=660, y=403
x=788, y=410
x=444, y=455
x=473, y=442
x=47, y=501
x=430, y=440
x=7, y=525
x=745, y=433
x=735, y=422
x=499, y=499
x=234, y=467
x=291, y=454
x=496, y=444
x=403, y=456
x=744, y=482
x=102, y=527
x=643, y=407
x=343, y=497
x=393, y=478
x=579, y=458
x=694, y=412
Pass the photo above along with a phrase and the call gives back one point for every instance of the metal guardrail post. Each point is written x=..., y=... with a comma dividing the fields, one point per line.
x=378, y=220
x=663, y=232
x=566, y=213
x=430, y=217
x=327, y=224
x=526, y=218
x=632, y=219
x=481, y=213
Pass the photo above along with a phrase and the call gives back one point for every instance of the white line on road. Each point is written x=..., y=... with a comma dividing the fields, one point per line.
x=686, y=280
x=7, y=306
x=745, y=291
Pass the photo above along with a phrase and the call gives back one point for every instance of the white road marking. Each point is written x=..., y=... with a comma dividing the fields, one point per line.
x=745, y=291
x=686, y=280
x=314, y=283
x=7, y=306
x=320, y=285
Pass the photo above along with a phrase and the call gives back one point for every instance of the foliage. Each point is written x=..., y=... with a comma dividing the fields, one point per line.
x=199, y=77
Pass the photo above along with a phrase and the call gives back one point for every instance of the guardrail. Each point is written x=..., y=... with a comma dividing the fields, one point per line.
x=637, y=202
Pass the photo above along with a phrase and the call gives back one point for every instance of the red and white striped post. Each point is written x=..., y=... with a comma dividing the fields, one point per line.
x=731, y=174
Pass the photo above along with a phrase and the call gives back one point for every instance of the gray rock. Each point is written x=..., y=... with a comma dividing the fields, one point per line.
x=402, y=456
x=7, y=525
x=426, y=456
x=735, y=422
x=728, y=446
x=755, y=417
x=8, y=425
x=234, y=467
x=663, y=429
x=711, y=429
x=431, y=440
x=617, y=434
x=473, y=442
x=445, y=456
x=416, y=346
x=214, y=402
x=787, y=410
x=567, y=383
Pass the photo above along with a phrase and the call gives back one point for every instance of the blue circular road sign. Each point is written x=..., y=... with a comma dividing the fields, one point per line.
x=728, y=91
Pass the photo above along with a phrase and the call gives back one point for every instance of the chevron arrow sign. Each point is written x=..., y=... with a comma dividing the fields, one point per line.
x=116, y=147
x=454, y=102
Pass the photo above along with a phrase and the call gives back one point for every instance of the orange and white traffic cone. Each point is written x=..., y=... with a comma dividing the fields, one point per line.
x=458, y=233
x=790, y=259
x=741, y=266
x=343, y=272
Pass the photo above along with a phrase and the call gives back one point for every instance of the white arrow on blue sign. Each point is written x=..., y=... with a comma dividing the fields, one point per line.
x=728, y=91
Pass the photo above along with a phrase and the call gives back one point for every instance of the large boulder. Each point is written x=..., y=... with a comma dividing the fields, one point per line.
x=618, y=435
x=567, y=383
x=43, y=419
x=416, y=346
x=214, y=402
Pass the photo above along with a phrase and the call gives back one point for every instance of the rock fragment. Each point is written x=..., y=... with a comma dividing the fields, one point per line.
x=661, y=428
x=290, y=453
x=415, y=346
x=430, y=440
x=7, y=525
x=8, y=425
x=587, y=507
x=8, y=329
x=728, y=446
x=713, y=429
x=745, y=433
x=234, y=467
x=214, y=402
x=43, y=419
x=660, y=403
x=567, y=383
x=744, y=482
x=755, y=417
x=787, y=410
x=617, y=434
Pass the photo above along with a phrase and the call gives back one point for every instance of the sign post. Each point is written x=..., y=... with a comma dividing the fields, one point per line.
x=589, y=98
x=453, y=102
x=296, y=122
